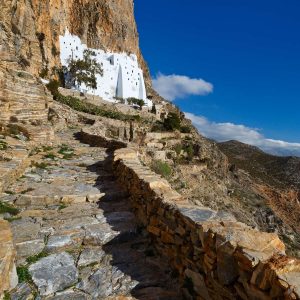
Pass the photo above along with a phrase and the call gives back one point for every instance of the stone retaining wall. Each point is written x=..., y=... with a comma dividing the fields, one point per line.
x=215, y=256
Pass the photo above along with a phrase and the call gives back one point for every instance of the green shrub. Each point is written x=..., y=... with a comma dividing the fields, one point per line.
x=9, y=192
x=190, y=151
x=161, y=168
x=85, y=70
x=3, y=145
x=178, y=148
x=23, y=274
x=44, y=72
x=136, y=101
x=158, y=127
x=6, y=296
x=62, y=206
x=50, y=156
x=66, y=151
x=47, y=148
x=185, y=129
x=7, y=208
x=33, y=259
x=53, y=86
x=172, y=122
x=11, y=219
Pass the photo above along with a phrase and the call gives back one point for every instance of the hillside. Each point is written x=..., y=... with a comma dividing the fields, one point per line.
x=274, y=179
x=277, y=171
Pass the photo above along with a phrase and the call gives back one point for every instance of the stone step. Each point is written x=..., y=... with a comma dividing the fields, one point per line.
x=90, y=249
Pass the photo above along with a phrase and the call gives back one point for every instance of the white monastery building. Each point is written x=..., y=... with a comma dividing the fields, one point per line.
x=122, y=76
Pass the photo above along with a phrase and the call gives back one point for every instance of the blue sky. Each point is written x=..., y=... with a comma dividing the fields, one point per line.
x=247, y=54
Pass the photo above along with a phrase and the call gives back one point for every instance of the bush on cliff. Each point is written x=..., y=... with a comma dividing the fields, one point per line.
x=135, y=101
x=84, y=71
x=161, y=168
x=79, y=105
x=172, y=122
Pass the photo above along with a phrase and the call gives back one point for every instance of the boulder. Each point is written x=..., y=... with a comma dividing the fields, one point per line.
x=54, y=273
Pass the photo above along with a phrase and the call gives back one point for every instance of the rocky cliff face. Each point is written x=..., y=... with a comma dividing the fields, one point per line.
x=29, y=46
x=30, y=29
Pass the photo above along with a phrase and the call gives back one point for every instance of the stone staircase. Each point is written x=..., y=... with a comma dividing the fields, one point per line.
x=76, y=236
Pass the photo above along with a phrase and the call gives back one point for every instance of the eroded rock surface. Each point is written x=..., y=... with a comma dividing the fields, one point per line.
x=54, y=273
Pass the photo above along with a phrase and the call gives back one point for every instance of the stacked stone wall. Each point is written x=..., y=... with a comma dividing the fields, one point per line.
x=214, y=256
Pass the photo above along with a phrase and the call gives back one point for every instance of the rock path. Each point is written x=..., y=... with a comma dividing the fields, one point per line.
x=69, y=244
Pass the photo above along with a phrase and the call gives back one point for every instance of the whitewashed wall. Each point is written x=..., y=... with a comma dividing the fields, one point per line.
x=122, y=76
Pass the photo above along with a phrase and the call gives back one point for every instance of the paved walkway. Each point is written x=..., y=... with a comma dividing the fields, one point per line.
x=75, y=246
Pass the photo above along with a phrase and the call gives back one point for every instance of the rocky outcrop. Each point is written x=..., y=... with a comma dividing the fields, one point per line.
x=24, y=102
x=8, y=274
x=22, y=97
x=14, y=160
x=215, y=256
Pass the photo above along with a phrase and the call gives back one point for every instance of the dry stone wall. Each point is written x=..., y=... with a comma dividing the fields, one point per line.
x=214, y=256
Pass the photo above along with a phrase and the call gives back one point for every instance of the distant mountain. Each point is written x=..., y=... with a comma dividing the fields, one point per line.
x=277, y=171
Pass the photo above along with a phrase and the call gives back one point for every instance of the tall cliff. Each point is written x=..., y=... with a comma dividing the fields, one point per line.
x=29, y=45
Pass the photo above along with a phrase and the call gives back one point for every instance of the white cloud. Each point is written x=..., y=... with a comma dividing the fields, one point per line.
x=174, y=86
x=228, y=131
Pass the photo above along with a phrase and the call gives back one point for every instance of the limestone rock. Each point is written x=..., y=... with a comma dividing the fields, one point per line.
x=29, y=248
x=90, y=255
x=8, y=274
x=22, y=291
x=54, y=273
x=97, y=284
x=69, y=294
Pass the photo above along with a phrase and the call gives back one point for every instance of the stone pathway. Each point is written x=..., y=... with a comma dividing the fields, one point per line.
x=69, y=244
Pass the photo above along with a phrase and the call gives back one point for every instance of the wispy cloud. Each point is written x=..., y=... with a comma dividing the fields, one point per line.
x=228, y=131
x=174, y=86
